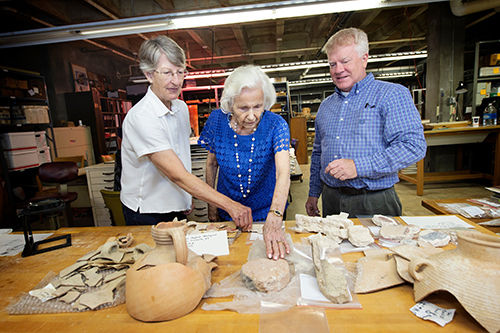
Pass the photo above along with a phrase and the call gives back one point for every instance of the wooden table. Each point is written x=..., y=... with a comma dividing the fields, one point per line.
x=457, y=136
x=433, y=206
x=383, y=311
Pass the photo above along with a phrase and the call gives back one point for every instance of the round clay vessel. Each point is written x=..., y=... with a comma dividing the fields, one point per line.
x=470, y=272
x=167, y=282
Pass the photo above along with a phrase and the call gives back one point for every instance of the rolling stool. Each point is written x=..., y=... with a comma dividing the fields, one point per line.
x=41, y=207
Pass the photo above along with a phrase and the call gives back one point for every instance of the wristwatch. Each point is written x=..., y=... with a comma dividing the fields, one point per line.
x=276, y=212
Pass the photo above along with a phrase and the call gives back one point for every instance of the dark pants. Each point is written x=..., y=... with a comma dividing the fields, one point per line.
x=137, y=218
x=384, y=202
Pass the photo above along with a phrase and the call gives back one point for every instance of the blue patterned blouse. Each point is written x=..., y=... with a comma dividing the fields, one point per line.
x=272, y=135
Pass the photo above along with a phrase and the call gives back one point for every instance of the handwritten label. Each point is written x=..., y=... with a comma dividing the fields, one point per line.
x=429, y=311
x=209, y=243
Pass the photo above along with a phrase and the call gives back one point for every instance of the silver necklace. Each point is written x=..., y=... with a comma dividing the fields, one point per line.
x=250, y=160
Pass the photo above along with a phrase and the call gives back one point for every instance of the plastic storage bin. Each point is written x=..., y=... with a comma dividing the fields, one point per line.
x=21, y=140
x=44, y=155
x=22, y=159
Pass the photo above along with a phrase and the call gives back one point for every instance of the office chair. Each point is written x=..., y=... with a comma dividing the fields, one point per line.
x=59, y=174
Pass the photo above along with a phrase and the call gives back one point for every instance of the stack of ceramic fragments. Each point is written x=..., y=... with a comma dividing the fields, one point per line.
x=92, y=282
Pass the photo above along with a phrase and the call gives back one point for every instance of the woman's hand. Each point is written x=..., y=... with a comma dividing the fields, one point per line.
x=274, y=237
x=213, y=214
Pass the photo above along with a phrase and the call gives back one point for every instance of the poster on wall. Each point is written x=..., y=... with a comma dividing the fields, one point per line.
x=80, y=77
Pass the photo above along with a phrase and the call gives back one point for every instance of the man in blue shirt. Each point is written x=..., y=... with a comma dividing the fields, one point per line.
x=366, y=131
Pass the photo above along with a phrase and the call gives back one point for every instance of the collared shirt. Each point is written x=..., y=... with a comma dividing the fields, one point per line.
x=151, y=127
x=376, y=125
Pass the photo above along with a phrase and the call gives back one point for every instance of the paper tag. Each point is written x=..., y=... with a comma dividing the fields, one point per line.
x=214, y=243
x=429, y=311
x=45, y=293
x=473, y=211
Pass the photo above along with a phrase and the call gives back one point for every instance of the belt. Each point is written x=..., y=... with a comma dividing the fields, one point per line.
x=355, y=191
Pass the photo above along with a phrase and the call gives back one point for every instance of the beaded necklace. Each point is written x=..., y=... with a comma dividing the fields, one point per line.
x=250, y=160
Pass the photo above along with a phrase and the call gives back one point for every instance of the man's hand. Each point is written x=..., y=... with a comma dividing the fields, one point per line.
x=342, y=169
x=241, y=215
x=312, y=206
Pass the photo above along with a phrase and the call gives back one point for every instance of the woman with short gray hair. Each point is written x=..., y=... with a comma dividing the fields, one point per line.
x=156, y=182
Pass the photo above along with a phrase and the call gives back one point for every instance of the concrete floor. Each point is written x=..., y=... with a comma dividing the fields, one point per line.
x=412, y=203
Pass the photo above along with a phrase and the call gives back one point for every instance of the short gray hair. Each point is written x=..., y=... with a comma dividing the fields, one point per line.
x=152, y=49
x=248, y=76
x=346, y=37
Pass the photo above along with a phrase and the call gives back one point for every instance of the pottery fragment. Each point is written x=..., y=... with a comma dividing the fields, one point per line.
x=434, y=238
x=360, y=236
x=70, y=297
x=266, y=275
x=374, y=275
x=382, y=220
x=331, y=281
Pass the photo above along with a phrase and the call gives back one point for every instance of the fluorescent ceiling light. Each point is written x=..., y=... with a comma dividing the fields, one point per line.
x=130, y=29
x=192, y=19
x=398, y=56
x=307, y=82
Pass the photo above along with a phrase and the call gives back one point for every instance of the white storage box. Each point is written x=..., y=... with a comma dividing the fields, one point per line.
x=22, y=159
x=40, y=140
x=43, y=155
x=21, y=140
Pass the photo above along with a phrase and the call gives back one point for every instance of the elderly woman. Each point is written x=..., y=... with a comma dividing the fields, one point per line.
x=156, y=181
x=248, y=146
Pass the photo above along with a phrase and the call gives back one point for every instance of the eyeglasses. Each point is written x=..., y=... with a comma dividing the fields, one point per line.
x=168, y=75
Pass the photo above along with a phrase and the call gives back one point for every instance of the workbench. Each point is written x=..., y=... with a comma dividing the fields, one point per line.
x=433, y=206
x=383, y=311
x=457, y=136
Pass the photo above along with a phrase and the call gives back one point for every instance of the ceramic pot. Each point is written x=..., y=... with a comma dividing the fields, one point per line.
x=470, y=272
x=168, y=282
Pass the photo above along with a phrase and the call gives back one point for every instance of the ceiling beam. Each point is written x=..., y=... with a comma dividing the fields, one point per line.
x=241, y=37
x=166, y=5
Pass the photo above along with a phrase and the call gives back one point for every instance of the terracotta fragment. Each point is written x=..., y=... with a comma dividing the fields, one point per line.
x=470, y=272
x=434, y=238
x=360, y=236
x=70, y=297
x=402, y=267
x=76, y=266
x=382, y=220
x=409, y=251
x=374, y=275
x=266, y=275
x=74, y=281
x=331, y=281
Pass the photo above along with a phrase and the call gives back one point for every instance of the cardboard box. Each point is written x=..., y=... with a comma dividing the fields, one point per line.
x=18, y=140
x=36, y=114
x=22, y=159
x=489, y=71
x=11, y=92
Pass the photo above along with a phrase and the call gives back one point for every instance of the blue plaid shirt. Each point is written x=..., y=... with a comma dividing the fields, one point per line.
x=376, y=125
